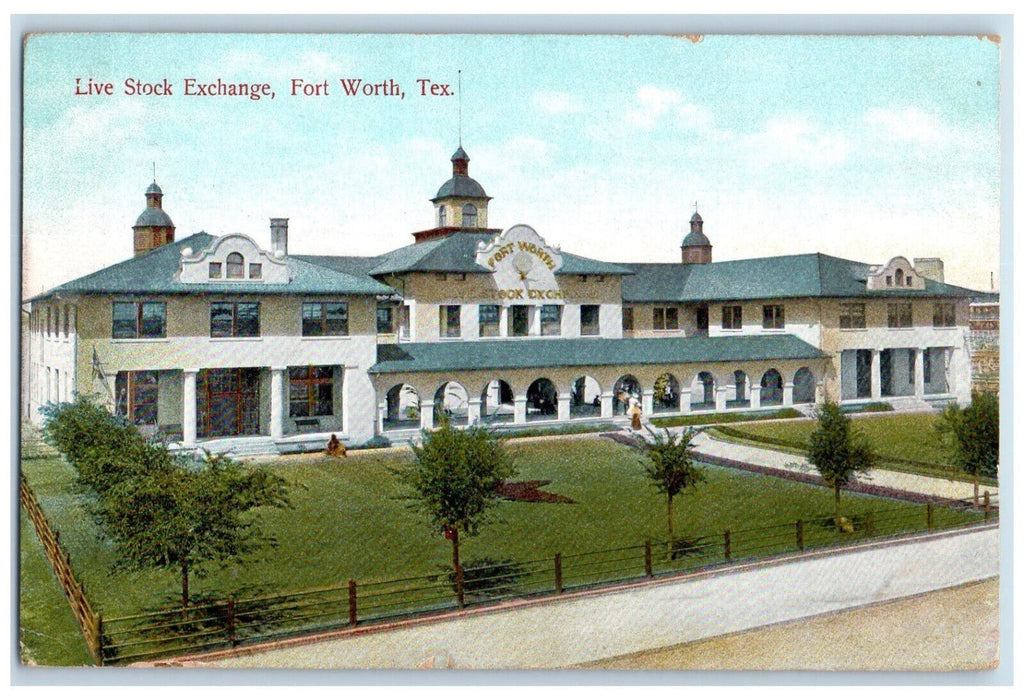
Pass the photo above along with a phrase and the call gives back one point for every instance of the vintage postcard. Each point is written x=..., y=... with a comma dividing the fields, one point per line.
x=510, y=352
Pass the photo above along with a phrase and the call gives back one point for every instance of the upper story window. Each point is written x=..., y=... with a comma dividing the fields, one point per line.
x=67, y=321
x=520, y=320
x=901, y=315
x=666, y=318
x=851, y=315
x=324, y=318
x=732, y=317
x=489, y=320
x=590, y=319
x=551, y=319
x=404, y=323
x=774, y=316
x=627, y=318
x=216, y=270
x=469, y=216
x=236, y=266
x=255, y=271
x=234, y=319
x=944, y=315
x=385, y=319
x=451, y=321
x=442, y=216
x=139, y=319
x=701, y=320
x=49, y=320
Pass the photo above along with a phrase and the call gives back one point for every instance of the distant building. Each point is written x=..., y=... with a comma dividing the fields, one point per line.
x=983, y=340
x=206, y=338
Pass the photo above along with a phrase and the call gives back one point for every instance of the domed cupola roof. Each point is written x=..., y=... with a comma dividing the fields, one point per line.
x=154, y=189
x=695, y=238
x=154, y=215
x=460, y=184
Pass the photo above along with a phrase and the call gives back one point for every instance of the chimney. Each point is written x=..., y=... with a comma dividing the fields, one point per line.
x=279, y=237
x=930, y=268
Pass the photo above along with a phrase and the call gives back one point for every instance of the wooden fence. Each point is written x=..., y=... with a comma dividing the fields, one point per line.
x=60, y=560
x=235, y=622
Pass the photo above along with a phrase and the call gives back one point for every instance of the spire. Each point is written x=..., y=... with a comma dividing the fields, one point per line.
x=154, y=227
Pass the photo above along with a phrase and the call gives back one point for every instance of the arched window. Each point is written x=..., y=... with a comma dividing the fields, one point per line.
x=899, y=277
x=469, y=216
x=442, y=217
x=236, y=266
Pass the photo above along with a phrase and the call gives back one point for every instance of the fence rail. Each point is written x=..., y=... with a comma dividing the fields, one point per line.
x=235, y=622
x=90, y=623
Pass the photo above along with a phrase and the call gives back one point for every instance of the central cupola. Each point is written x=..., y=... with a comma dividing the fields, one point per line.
x=461, y=203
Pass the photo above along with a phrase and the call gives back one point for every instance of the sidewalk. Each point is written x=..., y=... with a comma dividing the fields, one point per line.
x=705, y=444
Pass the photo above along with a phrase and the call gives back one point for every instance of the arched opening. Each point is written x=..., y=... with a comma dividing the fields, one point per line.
x=702, y=392
x=402, y=408
x=497, y=403
x=541, y=400
x=803, y=386
x=626, y=393
x=236, y=266
x=469, y=216
x=442, y=217
x=899, y=277
x=739, y=394
x=584, y=398
x=771, y=388
x=451, y=401
x=666, y=394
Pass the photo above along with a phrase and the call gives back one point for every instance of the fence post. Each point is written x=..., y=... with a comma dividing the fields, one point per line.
x=728, y=546
x=928, y=514
x=988, y=505
x=800, y=534
x=352, y=602
x=230, y=622
x=647, y=558
x=460, y=593
x=97, y=644
x=558, y=573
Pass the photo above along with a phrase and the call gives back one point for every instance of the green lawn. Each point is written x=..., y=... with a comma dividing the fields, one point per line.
x=349, y=522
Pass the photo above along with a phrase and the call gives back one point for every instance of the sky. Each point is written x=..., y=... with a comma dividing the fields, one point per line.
x=863, y=147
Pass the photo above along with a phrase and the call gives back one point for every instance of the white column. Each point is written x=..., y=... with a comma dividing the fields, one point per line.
x=876, y=374
x=473, y=414
x=647, y=402
x=918, y=371
x=426, y=414
x=755, y=395
x=684, y=400
x=382, y=411
x=563, y=406
x=607, y=408
x=188, y=405
x=519, y=416
x=721, y=393
x=277, y=402
x=787, y=393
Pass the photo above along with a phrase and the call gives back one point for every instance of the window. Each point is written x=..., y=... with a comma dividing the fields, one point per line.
x=442, y=217
x=135, y=319
x=627, y=318
x=324, y=318
x=702, y=318
x=236, y=266
x=49, y=319
x=899, y=277
x=911, y=365
x=888, y=280
x=774, y=316
x=67, y=322
x=215, y=270
x=520, y=320
x=137, y=394
x=469, y=216
x=490, y=320
x=910, y=280
x=590, y=319
x=851, y=316
x=944, y=315
x=927, y=362
x=404, y=322
x=231, y=319
x=451, y=321
x=255, y=271
x=551, y=319
x=732, y=317
x=385, y=319
x=666, y=319
x=310, y=391
x=901, y=315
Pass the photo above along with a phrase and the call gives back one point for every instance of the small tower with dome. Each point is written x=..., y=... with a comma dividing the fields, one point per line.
x=154, y=227
x=461, y=202
x=696, y=246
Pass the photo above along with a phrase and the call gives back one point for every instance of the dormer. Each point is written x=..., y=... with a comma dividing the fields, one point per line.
x=897, y=274
x=234, y=258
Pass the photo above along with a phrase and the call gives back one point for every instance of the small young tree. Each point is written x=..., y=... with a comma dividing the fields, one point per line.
x=455, y=480
x=668, y=462
x=838, y=451
x=971, y=435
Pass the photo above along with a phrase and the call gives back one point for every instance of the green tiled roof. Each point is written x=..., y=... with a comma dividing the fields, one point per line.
x=582, y=352
x=786, y=276
x=154, y=273
x=457, y=253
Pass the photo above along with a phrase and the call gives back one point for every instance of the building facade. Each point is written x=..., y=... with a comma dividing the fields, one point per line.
x=210, y=338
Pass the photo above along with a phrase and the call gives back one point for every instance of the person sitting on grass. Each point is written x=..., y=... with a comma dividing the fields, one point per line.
x=335, y=448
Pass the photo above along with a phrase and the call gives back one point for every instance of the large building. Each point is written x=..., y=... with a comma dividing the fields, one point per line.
x=208, y=338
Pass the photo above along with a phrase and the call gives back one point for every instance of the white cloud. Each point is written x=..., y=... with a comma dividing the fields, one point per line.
x=797, y=138
x=909, y=124
x=550, y=102
x=655, y=104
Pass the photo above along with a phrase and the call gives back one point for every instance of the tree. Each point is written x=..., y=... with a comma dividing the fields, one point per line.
x=668, y=462
x=838, y=450
x=455, y=480
x=971, y=435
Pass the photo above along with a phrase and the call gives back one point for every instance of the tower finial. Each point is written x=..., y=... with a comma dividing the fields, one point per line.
x=695, y=206
x=460, y=108
x=154, y=171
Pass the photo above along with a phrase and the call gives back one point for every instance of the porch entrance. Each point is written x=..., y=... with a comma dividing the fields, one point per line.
x=229, y=402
